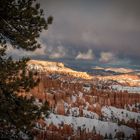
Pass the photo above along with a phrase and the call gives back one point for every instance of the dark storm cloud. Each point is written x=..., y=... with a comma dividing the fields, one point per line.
x=111, y=26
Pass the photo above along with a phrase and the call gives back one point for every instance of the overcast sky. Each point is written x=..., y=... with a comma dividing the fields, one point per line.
x=105, y=31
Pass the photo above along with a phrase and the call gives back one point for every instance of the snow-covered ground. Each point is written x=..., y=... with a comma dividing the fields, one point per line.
x=88, y=124
x=126, y=88
x=74, y=111
x=132, y=107
x=89, y=114
x=120, y=114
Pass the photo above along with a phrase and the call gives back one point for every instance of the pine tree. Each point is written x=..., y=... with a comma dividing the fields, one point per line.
x=94, y=130
x=106, y=137
x=21, y=22
x=110, y=136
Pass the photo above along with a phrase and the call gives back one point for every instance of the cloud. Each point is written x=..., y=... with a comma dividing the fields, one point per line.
x=107, y=57
x=87, y=56
x=112, y=59
x=58, y=52
x=100, y=25
x=112, y=26
x=21, y=53
x=90, y=37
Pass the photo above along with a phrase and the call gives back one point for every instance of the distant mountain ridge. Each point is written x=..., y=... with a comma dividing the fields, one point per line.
x=117, y=70
x=121, y=75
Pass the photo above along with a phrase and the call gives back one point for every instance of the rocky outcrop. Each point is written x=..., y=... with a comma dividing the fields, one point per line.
x=56, y=67
x=70, y=93
x=58, y=92
x=125, y=79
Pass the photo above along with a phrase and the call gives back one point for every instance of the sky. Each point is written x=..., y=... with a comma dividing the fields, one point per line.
x=96, y=31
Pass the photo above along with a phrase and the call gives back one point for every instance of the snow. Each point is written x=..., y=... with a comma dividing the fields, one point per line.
x=135, y=106
x=126, y=88
x=74, y=111
x=35, y=67
x=121, y=114
x=65, y=106
x=89, y=114
x=87, y=105
x=88, y=124
x=87, y=89
x=74, y=98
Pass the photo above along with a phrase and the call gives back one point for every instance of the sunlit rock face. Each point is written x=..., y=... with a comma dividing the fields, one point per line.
x=56, y=67
x=125, y=79
x=84, y=106
x=45, y=65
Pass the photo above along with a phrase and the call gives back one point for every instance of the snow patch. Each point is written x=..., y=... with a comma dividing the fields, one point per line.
x=89, y=124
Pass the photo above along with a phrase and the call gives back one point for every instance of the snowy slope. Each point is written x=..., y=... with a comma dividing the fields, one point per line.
x=101, y=127
x=121, y=114
x=126, y=88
